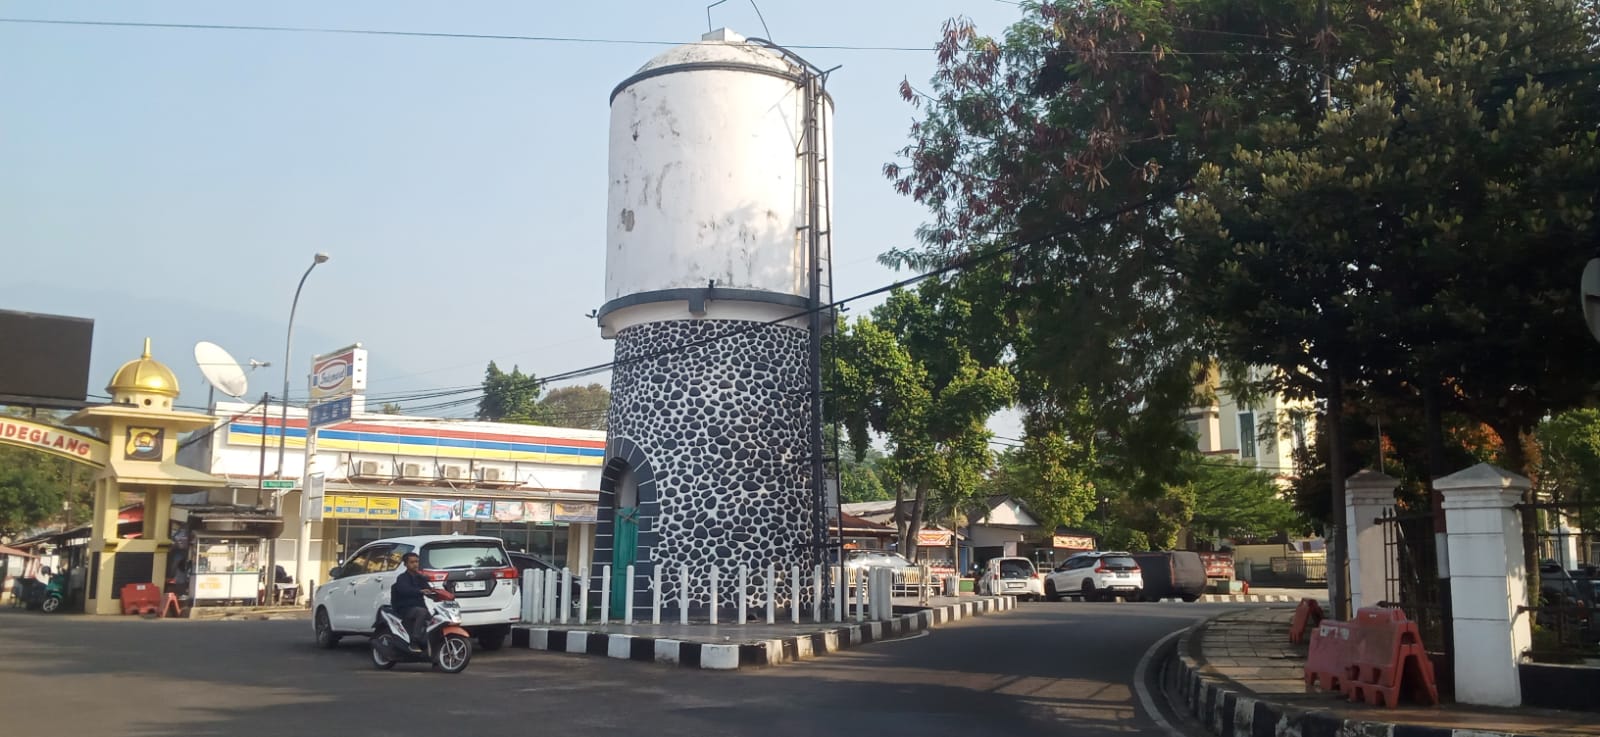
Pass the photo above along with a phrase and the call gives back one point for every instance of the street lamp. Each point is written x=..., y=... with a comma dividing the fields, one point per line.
x=288, y=341
x=283, y=426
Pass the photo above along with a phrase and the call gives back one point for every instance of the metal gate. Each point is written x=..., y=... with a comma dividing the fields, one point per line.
x=1411, y=583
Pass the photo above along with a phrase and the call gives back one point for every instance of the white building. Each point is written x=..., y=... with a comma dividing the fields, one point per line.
x=1263, y=434
x=389, y=475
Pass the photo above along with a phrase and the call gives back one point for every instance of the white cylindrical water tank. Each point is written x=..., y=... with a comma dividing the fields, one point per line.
x=708, y=211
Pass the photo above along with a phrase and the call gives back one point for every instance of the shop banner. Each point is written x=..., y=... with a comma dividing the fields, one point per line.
x=478, y=511
x=440, y=510
x=934, y=538
x=1072, y=542
x=576, y=511
x=510, y=512
x=383, y=507
x=414, y=509
x=538, y=512
x=344, y=507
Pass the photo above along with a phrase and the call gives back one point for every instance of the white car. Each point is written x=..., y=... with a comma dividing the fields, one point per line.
x=1096, y=576
x=476, y=569
x=1013, y=577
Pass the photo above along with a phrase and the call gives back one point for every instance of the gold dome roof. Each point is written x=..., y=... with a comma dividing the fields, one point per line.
x=144, y=375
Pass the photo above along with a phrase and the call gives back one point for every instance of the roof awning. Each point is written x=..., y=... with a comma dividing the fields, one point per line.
x=13, y=551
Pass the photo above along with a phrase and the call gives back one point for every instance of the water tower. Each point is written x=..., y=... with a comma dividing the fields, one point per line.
x=717, y=221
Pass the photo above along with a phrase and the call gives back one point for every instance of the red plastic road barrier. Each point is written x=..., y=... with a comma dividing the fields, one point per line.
x=1328, y=663
x=1307, y=615
x=141, y=598
x=1387, y=658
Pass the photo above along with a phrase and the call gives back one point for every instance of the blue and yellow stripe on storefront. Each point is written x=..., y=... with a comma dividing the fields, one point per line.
x=425, y=441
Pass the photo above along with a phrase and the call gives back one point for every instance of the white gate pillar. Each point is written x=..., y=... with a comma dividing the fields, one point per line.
x=1369, y=495
x=1487, y=582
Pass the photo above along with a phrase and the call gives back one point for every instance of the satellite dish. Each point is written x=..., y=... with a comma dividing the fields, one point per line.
x=1591, y=297
x=220, y=369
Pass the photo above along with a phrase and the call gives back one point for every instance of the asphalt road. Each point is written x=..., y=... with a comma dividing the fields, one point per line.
x=1064, y=668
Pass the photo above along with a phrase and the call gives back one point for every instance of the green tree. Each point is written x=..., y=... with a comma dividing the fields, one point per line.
x=576, y=406
x=1049, y=160
x=34, y=489
x=1238, y=501
x=509, y=397
x=911, y=374
x=1569, y=461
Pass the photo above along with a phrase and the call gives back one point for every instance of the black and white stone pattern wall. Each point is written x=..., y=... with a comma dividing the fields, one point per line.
x=723, y=421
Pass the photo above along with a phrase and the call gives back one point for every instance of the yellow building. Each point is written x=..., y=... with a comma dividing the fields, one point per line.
x=1263, y=434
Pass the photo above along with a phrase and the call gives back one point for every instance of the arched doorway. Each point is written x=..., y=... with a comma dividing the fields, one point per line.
x=625, y=534
x=625, y=539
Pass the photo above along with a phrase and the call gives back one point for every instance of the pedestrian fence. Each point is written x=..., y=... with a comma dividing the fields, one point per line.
x=831, y=594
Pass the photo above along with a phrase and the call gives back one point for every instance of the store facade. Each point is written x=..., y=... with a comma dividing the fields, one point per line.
x=389, y=475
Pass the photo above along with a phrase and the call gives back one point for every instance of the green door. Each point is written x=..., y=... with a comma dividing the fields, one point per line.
x=624, y=550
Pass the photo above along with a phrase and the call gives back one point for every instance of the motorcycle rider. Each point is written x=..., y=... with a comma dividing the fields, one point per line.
x=405, y=596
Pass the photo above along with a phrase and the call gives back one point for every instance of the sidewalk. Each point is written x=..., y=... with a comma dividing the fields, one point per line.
x=732, y=646
x=1238, y=674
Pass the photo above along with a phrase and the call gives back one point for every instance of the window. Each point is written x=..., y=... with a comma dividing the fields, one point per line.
x=1247, y=435
x=1191, y=424
x=464, y=554
x=1300, y=440
x=366, y=561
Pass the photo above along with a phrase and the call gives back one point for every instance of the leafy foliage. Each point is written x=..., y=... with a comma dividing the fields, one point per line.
x=33, y=488
x=509, y=397
x=1570, y=461
x=910, y=373
x=576, y=406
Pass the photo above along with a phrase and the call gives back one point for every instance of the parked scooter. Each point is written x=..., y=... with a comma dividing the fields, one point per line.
x=446, y=643
x=46, y=597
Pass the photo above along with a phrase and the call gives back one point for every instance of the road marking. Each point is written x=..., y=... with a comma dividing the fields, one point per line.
x=1145, y=699
x=917, y=636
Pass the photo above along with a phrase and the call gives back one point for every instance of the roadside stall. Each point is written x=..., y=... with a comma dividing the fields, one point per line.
x=226, y=554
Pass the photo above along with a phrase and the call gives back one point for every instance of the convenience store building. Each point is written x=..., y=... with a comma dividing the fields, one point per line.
x=390, y=475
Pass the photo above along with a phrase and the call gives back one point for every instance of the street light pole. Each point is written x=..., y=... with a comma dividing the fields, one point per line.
x=283, y=428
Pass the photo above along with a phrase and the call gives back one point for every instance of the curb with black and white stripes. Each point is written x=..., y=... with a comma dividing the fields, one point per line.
x=1227, y=712
x=1235, y=599
x=750, y=654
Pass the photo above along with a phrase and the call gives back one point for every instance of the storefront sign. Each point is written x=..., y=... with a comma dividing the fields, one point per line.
x=1218, y=565
x=1072, y=542
x=331, y=412
x=144, y=443
x=59, y=442
x=383, y=507
x=575, y=511
x=510, y=512
x=345, y=507
x=339, y=374
x=934, y=538
x=538, y=512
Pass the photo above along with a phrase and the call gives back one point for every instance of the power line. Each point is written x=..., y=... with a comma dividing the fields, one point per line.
x=425, y=34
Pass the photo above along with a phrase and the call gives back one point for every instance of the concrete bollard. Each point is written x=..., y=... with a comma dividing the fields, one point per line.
x=627, y=598
x=554, y=595
x=714, y=601
x=842, y=586
x=583, y=597
x=861, y=593
x=683, y=595
x=655, y=595
x=533, y=595
x=772, y=595
x=794, y=594
x=564, y=595
x=605, y=593
x=816, y=594
x=744, y=591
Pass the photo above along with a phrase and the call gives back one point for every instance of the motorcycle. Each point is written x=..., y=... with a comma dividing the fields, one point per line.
x=46, y=597
x=445, y=643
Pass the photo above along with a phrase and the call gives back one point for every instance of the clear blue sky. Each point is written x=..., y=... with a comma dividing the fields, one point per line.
x=175, y=183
